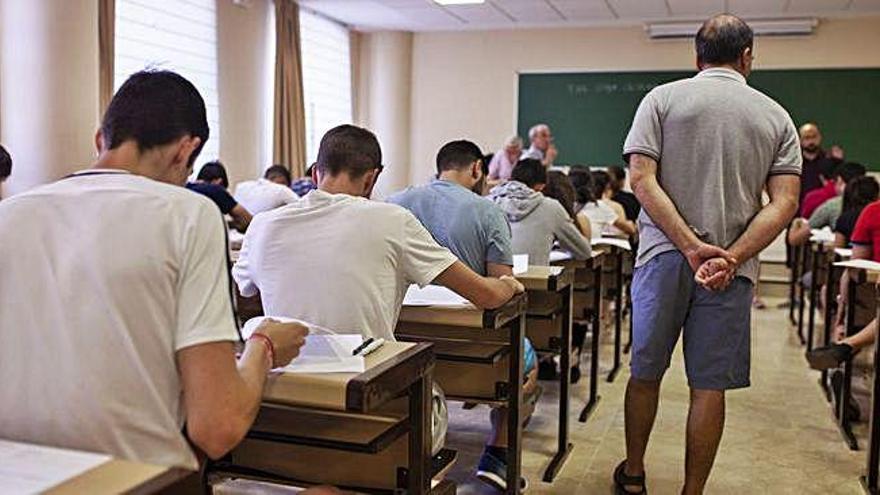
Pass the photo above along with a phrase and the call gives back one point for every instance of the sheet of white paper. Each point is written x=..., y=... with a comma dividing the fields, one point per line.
x=860, y=264
x=324, y=352
x=432, y=295
x=822, y=235
x=26, y=468
x=328, y=354
x=556, y=256
x=520, y=263
x=843, y=252
x=611, y=241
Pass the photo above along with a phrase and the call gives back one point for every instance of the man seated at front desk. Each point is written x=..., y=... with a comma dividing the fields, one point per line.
x=537, y=220
x=475, y=230
x=117, y=326
x=336, y=259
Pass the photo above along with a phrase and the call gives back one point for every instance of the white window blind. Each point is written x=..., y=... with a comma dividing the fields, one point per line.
x=178, y=35
x=326, y=67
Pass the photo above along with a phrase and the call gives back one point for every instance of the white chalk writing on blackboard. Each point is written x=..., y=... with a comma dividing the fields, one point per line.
x=609, y=88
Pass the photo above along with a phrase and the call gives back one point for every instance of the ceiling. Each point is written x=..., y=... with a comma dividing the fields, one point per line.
x=425, y=15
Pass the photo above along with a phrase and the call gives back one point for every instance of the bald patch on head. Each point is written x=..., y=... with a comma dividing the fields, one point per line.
x=717, y=22
x=808, y=127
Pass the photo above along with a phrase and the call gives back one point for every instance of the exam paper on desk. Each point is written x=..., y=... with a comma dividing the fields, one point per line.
x=28, y=468
x=324, y=352
x=433, y=295
x=611, y=241
x=869, y=265
x=822, y=235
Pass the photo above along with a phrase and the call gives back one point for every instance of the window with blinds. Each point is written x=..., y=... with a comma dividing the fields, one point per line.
x=178, y=35
x=326, y=70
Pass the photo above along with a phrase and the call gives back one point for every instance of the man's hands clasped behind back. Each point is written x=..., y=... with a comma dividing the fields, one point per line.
x=714, y=268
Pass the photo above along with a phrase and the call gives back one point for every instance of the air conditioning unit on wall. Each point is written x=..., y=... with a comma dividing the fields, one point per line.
x=777, y=27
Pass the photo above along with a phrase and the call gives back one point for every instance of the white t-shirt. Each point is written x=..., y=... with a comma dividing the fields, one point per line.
x=602, y=217
x=262, y=195
x=338, y=261
x=105, y=276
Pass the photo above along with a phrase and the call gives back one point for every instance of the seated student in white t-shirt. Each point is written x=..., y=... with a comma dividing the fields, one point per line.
x=117, y=327
x=339, y=260
x=266, y=193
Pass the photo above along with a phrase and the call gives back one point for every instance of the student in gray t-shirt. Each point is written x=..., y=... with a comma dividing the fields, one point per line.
x=701, y=152
x=536, y=220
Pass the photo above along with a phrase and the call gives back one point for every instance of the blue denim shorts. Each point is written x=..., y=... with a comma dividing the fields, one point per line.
x=717, y=325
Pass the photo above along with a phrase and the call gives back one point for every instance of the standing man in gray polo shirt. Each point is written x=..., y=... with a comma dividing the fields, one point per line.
x=701, y=151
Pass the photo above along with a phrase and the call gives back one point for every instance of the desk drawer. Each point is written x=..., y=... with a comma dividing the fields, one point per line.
x=545, y=332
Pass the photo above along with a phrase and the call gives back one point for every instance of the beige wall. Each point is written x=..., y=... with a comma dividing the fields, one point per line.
x=48, y=88
x=382, y=101
x=244, y=52
x=464, y=84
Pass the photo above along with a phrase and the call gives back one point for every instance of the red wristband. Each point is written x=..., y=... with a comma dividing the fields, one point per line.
x=270, y=347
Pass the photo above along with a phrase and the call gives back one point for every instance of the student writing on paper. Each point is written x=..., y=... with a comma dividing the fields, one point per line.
x=266, y=193
x=536, y=220
x=117, y=327
x=339, y=260
x=213, y=183
x=866, y=246
x=824, y=210
x=476, y=231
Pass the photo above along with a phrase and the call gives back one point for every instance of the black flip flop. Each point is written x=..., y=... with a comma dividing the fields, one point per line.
x=621, y=479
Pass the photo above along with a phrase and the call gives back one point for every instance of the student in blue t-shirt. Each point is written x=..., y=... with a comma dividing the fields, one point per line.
x=477, y=232
x=212, y=182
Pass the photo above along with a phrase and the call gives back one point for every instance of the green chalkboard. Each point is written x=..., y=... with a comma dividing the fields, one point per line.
x=590, y=112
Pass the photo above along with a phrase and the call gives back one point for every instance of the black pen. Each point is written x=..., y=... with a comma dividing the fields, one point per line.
x=361, y=347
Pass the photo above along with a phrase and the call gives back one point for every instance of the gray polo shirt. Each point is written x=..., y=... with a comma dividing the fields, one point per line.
x=716, y=141
x=470, y=226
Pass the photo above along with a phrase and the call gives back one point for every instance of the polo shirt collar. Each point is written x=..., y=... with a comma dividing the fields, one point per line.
x=446, y=183
x=722, y=72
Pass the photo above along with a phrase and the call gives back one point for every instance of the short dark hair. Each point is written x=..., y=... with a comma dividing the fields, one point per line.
x=456, y=155
x=5, y=163
x=350, y=149
x=849, y=171
x=155, y=108
x=582, y=180
x=722, y=39
x=860, y=192
x=212, y=171
x=530, y=172
x=276, y=170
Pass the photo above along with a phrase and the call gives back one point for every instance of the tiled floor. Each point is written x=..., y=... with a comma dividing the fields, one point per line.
x=780, y=438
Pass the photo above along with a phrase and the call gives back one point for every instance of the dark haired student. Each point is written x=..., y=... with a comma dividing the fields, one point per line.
x=721, y=144
x=476, y=232
x=213, y=182
x=123, y=328
x=5, y=165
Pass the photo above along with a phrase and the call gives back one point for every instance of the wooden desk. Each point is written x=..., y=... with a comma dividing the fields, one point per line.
x=113, y=476
x=871, y=479
x=479, y=359
x=795, y=291
x=548, y=325
x=821, y=257
x=612, y=271
x=587, y=305
x=370, y=431
x=118, y=476
x=860, y=310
